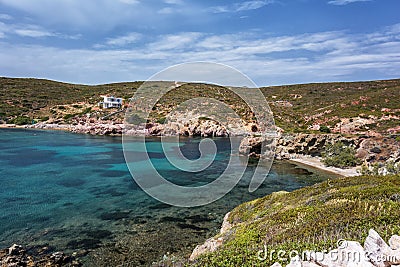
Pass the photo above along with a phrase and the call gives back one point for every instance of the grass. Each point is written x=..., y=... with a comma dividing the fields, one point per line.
x=313, y=218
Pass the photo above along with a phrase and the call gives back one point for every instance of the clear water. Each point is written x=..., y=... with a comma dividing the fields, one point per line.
x=74, y=193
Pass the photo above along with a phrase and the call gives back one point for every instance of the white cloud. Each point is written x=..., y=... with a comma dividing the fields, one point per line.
x=129, y=2
x=103, y=16
x=175, y=41
x=24, y=30
x=33, y=31
x=345, y=2
x=173, y=2
x=5, y=17
x=129, y=38
x=242, y=6
x=324, y=56
x=251, y=5
x=167, y=10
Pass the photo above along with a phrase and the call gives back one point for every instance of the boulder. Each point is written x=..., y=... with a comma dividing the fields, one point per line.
x=15, y=250
x=226, y=225
x=210, y=245
x=379, y=253
x=394, y=242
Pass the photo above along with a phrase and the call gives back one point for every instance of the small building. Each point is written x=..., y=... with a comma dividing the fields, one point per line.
x=111, y=102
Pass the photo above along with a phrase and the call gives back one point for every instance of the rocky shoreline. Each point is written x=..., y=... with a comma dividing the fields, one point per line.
x=18, y=256
x=374, y=150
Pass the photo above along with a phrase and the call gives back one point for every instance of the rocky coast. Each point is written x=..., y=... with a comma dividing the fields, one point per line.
x=374, y=150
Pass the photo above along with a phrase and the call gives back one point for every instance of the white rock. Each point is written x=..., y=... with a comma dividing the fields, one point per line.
x=350, y=255
x=276, y=264
x=226, y=225
x=319, y=258
x=379, y=253
x=394, y=242
x=295, y=262
x=309, y=264
x=14, y=249
x=210, y=245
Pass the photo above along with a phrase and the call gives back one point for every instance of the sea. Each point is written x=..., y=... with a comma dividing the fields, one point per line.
x=68, y=192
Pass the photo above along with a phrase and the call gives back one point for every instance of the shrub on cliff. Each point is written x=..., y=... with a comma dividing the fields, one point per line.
x=324, y=129
x=339, y=155
x=21, y=120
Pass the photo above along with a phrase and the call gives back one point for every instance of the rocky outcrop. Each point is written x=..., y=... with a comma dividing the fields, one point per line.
x=16, y=255
x=203, y=128
x=375, y=253
x=309, y=144
x=368, y=149
x=213, y=243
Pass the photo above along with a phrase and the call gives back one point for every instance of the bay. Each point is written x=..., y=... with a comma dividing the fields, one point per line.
x=74, y=193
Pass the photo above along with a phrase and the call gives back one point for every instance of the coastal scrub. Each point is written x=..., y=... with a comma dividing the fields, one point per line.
x=312, y=218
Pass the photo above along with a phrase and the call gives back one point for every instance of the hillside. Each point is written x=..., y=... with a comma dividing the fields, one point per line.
x=355, y=107
x=312, y=218
x=375, y=105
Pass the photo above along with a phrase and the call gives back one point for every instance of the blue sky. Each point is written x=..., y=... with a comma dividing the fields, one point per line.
x=271, y=41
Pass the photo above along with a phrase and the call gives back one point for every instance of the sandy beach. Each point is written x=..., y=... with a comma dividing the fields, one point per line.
x=316, y=162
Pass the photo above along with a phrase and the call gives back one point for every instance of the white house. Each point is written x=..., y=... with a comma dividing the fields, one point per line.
x=111, y=102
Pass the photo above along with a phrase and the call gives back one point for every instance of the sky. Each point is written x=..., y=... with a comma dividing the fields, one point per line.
x=273, y=42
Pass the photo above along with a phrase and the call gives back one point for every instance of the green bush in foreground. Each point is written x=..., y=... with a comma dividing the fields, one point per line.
x=340, y=155
x=312, y=218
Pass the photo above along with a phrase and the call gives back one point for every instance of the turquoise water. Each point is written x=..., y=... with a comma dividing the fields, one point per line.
x=74, y=193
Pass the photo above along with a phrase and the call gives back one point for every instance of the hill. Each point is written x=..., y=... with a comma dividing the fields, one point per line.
x=354, y=107
x=312, y=218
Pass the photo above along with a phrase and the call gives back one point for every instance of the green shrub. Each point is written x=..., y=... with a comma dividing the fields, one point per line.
x=21, y=120
x=68, y=116
x=324, y=129
x=340, y=155
x=204, y=119
x=86, y=110
x=46, y=118
x=161, y=120
x=135, y=120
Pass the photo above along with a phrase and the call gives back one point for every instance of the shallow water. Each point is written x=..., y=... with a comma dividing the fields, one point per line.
x=74, y=193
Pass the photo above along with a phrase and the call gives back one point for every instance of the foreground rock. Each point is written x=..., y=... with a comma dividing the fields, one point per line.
x=17, y=255
x=213, y=243
x=375, y=253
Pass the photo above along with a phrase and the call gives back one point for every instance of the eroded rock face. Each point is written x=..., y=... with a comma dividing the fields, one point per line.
x=213, y=243
x=308, y=144
x=203, y=128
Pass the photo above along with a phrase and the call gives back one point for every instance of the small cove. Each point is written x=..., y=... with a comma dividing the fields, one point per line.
x=74, y=193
